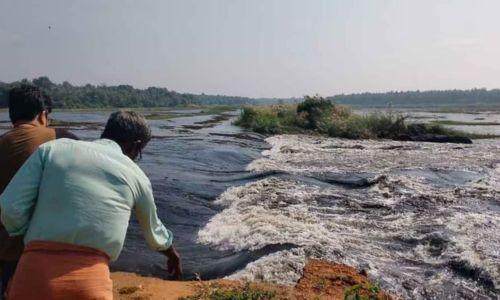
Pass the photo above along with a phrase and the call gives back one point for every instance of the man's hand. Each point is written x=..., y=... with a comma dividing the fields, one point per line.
x=174, y=267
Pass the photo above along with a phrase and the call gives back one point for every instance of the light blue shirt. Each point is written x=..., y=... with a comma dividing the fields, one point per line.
x=81, y=193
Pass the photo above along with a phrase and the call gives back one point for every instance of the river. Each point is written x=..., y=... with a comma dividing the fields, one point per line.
x=423, y=219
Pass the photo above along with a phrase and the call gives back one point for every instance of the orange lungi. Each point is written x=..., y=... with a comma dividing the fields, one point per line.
x=50, y=270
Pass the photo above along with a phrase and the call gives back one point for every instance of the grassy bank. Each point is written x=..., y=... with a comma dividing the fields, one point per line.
x=317, y=115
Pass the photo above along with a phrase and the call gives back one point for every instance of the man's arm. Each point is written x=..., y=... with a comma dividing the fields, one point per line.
x=174, y=265
x=19, y=197
x=157, y=236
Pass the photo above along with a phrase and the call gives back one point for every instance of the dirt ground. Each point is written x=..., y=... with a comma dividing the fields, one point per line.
x=321, y=280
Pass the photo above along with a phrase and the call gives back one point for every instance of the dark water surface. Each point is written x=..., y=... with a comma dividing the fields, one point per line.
x=188, y=170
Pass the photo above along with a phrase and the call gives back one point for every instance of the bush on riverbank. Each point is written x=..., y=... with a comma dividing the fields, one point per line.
x=318, y=115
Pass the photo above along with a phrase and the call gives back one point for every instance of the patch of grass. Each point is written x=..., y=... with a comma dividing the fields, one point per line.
x=207, y=108
x=271, y=120
x=168, y=114
x=366, y=291
x=320, y=116
x=320, y=284
x=217, y=109
x=211, y=291
x=73, y=125
x=127, y=290
x=160, y=116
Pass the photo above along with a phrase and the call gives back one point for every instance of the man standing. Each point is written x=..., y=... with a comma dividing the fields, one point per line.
x=73, y=200
x=29, y=108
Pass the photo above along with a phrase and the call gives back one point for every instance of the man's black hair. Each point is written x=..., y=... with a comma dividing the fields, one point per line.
x=27, y=101
x=127, y=126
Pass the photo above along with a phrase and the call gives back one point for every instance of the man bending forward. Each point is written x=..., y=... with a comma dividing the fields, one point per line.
x=73, y=200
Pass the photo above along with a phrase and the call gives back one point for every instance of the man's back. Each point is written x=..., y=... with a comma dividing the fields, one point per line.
x=15, y=147
x=90, y=188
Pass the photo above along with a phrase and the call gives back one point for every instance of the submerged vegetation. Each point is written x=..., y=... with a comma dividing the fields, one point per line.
x=451, y=122
x=321, y=116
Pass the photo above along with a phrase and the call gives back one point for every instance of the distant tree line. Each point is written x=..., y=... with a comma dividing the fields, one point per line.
x=458, y=98
x=66, y=95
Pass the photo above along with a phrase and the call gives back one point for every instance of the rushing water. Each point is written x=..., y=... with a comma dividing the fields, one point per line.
x=423, y=219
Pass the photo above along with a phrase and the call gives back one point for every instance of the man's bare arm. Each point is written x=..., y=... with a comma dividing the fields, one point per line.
x=174, y=265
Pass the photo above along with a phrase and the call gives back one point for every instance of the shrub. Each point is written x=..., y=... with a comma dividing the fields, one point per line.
x=315, y=111
x=318, y=115
x=385, y=125
x=341, y=111
x=269, y=120
x=260, y=120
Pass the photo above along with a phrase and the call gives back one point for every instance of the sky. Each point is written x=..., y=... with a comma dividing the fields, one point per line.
x=256, y=48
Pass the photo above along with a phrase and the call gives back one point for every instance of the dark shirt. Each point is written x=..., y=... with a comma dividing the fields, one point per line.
x=16, y=146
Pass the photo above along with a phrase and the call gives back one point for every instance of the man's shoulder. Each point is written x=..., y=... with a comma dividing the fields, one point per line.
x=44, y=133
x=27, y=137
x=129, y=168
x=63, y=144
x=7, y=135
x=59, y=142
x=137, y=171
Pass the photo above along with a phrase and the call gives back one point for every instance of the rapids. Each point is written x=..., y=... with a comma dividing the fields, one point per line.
x=422, y=218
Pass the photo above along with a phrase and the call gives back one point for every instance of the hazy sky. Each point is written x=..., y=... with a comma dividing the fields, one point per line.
x=270, y=48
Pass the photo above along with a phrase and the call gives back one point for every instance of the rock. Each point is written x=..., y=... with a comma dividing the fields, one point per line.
x=435, y=138
x=286, y=149
x=325, y=280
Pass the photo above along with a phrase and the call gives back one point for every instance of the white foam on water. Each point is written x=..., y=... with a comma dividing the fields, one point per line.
x=302, y=153
x=265, y=211
x=282, y=267
x=414, y=236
